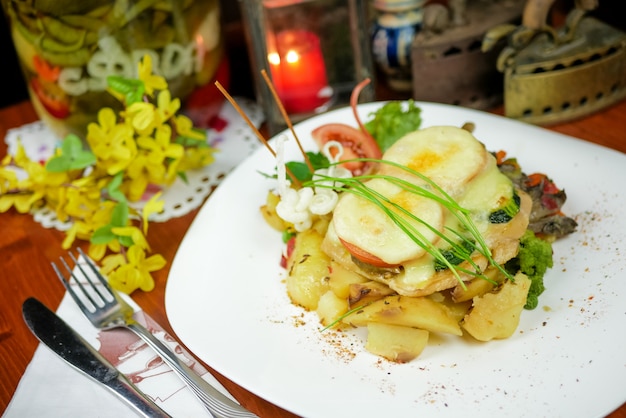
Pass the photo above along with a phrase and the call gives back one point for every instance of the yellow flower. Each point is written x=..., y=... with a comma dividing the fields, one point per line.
x=97, y=251
x=143, y=117
x=154, y=205
x=134, y=148
x=8, y=179
x=133, y=272
x=22, y=202
x=151, y=81
x=113, y=145
x=154, y=152
x=184, y=127
x=196, y=158
x=167, y=107
x=139, y=240
x=80, y=230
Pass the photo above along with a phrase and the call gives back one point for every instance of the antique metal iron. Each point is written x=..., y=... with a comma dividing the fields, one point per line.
x=553, y=75
x=447, y=63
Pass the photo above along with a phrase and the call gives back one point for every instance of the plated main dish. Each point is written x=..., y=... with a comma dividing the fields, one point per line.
x=226, y=299
x=409, y=231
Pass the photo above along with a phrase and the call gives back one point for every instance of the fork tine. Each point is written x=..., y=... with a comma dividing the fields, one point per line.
x=66, y=283
x=87, y=277
x=95, y=270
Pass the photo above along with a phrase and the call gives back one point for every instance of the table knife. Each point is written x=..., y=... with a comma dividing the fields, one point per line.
x=75, y=350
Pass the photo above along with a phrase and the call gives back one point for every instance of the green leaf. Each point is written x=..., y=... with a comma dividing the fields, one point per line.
x=123, y=85
x=125, y=241
x=119, y=216
x=71, y=145
x=300, y=170
x=58, y=164
x=113, y=189
x=73, y=156
x=391, y=122
x=183, y=176
x=102, y=235
x=136, y=95
x=188, y=142
x=318, y=160
x=82, y=160
x=132, y=89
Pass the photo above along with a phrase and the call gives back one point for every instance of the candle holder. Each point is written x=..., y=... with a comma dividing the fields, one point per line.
x=314, y=51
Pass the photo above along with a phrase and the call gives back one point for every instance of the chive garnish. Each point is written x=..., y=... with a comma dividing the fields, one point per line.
x=461, y=245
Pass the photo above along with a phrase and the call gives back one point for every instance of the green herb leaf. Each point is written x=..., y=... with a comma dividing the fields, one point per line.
x=301, y=169
x=318, y=160
x=391, y=122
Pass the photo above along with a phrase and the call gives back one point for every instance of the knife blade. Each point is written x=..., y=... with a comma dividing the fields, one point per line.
x=75, y=350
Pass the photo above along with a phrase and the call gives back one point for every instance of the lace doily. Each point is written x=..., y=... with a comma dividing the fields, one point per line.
x=229, y=135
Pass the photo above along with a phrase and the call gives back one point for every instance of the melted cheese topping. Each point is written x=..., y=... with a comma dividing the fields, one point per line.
x=363, y=224
x=459, y=164
x=449, y=156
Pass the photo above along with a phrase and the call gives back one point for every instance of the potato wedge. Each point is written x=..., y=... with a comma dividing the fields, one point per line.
x=478, y=286
x=308, y=270
x=330, y=308
x=420, y=312
x=341, y=279
x=268, y=210
x=395, y=342
x=497, y=315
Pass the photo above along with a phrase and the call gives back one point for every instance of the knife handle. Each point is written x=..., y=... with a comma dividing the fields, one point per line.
x=135, y=399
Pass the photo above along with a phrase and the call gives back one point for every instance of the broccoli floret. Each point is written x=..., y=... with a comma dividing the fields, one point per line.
x=533, y=259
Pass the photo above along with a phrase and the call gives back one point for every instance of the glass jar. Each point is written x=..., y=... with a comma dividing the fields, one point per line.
x=67, y=48
x=396, y=24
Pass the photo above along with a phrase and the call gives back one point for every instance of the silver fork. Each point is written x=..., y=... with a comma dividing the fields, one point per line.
x=109, y=310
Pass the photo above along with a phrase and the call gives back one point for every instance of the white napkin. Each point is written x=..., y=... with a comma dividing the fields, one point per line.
x=49, y=387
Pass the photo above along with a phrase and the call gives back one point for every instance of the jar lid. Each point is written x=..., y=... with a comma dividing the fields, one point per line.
x=397, y=5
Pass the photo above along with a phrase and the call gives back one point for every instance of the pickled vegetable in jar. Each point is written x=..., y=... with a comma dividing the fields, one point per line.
x=68, y=48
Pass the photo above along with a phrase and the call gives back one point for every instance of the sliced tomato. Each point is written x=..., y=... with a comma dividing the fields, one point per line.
x=364, y=256
x=355, y=143
x=57, y=106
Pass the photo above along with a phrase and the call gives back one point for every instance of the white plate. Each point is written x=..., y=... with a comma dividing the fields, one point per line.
x=226, y=300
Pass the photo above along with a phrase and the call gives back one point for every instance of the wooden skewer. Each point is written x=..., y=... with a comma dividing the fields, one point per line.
x=285, y=116
x=257, y=133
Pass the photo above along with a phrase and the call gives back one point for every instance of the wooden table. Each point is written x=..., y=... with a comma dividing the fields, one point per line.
x=27, y=249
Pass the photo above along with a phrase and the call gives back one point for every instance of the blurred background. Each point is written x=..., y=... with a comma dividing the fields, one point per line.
x=14, y=88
